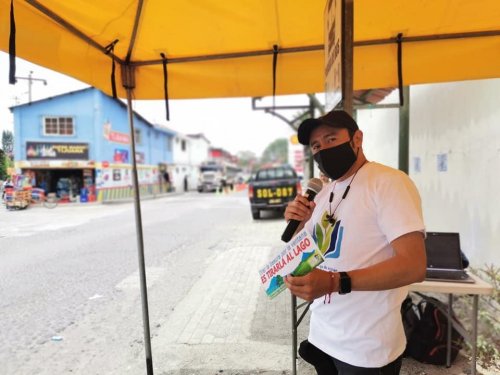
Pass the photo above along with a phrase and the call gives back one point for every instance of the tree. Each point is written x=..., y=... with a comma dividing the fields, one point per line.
x=8, y=142
x=3, y=165
x=276, y=152
x=247, y=159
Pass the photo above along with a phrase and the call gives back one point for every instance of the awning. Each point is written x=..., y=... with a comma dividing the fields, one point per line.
x=217, y=48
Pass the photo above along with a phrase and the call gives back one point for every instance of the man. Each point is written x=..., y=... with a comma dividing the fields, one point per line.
x=6, y=185
x=166, y=177
x=368, y=224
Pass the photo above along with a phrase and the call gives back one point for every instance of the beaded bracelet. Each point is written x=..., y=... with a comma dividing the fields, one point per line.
x=332, y=279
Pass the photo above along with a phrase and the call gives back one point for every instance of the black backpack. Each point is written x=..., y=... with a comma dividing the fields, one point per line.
x=411, y=317
x=426, y=331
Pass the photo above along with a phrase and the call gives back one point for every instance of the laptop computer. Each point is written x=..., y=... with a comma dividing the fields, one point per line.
x=444, y=259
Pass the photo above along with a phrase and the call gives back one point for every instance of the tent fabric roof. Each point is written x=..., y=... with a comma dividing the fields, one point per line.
x=216, y=48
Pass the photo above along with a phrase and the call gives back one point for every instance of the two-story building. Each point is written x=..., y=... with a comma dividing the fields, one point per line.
x=81, y=140
x=190, y=152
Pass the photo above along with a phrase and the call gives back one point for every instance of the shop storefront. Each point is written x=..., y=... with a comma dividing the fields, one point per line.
x=61, y=168
x=77, y=145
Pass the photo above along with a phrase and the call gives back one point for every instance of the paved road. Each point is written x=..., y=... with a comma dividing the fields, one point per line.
x=72, y=272
x=70, y=301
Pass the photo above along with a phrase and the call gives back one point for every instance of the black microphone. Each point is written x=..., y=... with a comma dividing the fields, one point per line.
x=314, y=186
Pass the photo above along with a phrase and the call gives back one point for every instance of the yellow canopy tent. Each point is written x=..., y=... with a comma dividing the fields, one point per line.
x=222, y=48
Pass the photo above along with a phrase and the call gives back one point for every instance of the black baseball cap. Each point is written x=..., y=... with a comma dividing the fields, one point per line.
x=335, y=119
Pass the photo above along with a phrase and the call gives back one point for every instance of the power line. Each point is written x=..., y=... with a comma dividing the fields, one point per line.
x=30, y=80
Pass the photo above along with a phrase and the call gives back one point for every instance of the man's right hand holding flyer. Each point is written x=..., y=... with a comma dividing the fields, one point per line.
x=299, y=257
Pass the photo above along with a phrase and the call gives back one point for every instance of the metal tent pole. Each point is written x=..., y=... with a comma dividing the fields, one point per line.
x=404, y=132
x=128, y=84
x=294, y=335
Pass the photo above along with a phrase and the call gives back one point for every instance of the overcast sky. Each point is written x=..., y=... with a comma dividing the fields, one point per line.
x=227, y=123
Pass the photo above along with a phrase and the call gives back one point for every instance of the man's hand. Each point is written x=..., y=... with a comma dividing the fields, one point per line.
x=315, y=284
x=299, y=209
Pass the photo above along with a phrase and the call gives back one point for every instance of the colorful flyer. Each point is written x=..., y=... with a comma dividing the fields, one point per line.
x=298, y=258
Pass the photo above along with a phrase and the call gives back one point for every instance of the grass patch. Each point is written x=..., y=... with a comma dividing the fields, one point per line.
x=488, y=339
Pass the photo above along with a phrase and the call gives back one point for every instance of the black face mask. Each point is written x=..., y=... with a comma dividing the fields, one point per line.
x=336, y=161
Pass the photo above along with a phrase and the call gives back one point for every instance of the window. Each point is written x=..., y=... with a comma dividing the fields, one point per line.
x=58, y=126
x=275, y=173
x=183, y=145
x=138, y=137
x=169, y=143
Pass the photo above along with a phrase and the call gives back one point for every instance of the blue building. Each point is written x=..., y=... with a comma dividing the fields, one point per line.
x=81, y=140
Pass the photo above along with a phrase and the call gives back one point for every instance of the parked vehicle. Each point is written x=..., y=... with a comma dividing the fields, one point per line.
x=215, y=176
x=272, y=188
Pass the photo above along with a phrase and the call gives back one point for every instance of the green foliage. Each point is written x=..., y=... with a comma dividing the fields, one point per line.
x=3, y=165
x=7, y=142
x=488, y=341
x=276, y=152
x=247, y=159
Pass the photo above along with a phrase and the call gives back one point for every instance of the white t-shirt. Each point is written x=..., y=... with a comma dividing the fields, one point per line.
x=363, y=328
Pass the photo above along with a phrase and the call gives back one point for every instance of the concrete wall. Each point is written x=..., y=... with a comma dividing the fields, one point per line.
x=91, y=111
x=199, y=150
x=380, y=134
x=454, y=159
x=29, y=122
x=153, y=144
x=186, y=162
x=182, y=155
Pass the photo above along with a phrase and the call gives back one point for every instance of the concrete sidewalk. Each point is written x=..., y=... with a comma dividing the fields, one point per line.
x=227, y=325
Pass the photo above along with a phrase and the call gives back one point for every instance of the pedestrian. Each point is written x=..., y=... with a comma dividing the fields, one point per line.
x=368, y=223
x=43, y=185
x=223, y=183
x=166, y=177
x=7, y=184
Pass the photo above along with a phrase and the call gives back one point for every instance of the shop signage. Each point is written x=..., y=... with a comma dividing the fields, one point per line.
x=296, y=156
x=57, y=151
x=119, y=137
x=117, y=174
x=139, y=157
x=120, y=156
x=54, y=164
x=114, y=136
x=333, y=53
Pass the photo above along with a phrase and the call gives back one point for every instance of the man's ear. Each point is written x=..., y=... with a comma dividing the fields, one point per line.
x=357, y=138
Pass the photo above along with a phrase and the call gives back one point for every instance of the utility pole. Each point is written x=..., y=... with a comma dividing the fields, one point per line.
x=30, y=80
